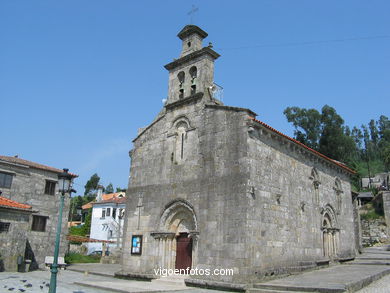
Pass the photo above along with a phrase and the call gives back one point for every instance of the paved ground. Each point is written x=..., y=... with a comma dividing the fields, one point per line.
x=38, y=281
x=95, y=278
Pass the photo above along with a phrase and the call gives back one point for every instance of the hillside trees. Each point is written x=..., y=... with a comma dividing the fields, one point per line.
x=362, y=148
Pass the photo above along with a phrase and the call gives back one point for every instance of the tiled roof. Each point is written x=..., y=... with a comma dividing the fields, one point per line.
x=117, y=200
x=304, y=146
x=77, y=238
x=112, y=195
x=20, y=161
x=109, y=197
x=8, y=203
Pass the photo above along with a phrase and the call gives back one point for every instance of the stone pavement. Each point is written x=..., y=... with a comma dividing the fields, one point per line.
x=349, y=277
x=373, y=264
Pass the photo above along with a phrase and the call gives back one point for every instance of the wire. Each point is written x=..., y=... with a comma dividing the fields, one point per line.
x=307, y=43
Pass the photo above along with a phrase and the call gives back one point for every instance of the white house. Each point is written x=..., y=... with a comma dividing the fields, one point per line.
x=107, y=221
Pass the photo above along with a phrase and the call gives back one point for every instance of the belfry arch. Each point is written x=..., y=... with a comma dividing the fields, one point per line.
x=330, y=232
x=176, y=236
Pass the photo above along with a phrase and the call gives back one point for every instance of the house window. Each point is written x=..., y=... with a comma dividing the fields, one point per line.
x=50, y=187
x=103, y=213
x=39, y=223
x=114, y=213
x=5, y=180
x=4, y=227
x=108, y=212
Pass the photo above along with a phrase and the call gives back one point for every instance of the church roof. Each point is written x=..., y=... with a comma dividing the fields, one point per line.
x=17, y=160
x=191, y=29
x=339, y=164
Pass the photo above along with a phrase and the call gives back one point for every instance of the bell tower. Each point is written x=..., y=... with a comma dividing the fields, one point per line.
x=193, y=72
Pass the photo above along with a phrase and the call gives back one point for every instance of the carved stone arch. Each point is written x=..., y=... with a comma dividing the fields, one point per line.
x=176, y=212
x=180, y=128
x=330, y=232
x=181, y=121
x=176, y=226
x=329, y=212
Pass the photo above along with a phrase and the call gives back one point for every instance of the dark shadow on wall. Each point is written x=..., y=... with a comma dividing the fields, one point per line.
x=2, y=269
x=29, y=254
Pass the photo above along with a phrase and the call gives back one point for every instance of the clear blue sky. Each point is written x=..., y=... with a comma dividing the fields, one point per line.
x=78, y=78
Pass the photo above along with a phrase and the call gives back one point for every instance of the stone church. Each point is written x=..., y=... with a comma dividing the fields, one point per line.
x=211, y=187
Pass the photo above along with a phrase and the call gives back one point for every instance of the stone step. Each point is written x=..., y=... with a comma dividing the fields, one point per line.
x=267, y=288
x=256, y=290
x=171, y=280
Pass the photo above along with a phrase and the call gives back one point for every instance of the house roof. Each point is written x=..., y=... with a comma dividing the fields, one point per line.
x=8, y=203
x=109, y=197
x=117, y=200
x=339, y=164
x=77, y=238
x=17, y=160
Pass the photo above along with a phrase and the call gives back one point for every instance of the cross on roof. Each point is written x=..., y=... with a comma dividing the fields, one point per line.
x=192, y=12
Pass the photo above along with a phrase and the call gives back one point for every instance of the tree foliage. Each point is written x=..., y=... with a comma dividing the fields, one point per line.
x=92, y=185
x=109, y=188
x=362, y=148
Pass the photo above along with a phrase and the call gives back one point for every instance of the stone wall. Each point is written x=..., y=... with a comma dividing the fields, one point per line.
x=28, y=187
x=374, y=232
x=13, y=242
x=386, y=208
x=288, y=205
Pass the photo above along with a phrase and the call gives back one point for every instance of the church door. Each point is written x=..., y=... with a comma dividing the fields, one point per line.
x=183, y=251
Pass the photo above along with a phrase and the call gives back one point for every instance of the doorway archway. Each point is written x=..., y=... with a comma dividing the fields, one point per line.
x=176, y=246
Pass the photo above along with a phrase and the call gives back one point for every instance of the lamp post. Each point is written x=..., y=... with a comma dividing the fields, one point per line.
x=64, y=184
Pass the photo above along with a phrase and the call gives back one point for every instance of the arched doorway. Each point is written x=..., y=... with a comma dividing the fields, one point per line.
x=176, y=238
x=330, y=233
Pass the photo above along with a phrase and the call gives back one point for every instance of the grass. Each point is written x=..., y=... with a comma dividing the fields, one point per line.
x=73, y=257
x=371, y=215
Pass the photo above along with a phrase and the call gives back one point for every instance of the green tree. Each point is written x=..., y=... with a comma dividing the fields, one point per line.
x=92, y=185
x=324, y=132
x=109, y=188
x=307, y=123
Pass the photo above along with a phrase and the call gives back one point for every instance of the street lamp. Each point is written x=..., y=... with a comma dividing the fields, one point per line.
x=64, y=186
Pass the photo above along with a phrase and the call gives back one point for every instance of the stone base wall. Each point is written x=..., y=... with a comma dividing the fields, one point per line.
x=13, y=242
x=374, y=231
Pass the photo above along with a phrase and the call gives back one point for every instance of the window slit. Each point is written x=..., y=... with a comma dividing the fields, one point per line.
x=182, y=145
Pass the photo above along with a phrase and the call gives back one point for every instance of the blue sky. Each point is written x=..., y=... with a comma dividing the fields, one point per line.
x=78, y=78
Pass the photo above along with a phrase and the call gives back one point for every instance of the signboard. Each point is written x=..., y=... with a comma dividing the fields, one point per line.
x=136, y=244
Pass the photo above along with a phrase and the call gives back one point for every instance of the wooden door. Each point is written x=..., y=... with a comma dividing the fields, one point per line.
x=183, y=251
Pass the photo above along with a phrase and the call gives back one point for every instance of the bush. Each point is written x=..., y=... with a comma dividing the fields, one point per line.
x=73, y=257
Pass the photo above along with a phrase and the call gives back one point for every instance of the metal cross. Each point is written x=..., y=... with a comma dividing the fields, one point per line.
x=192, y=12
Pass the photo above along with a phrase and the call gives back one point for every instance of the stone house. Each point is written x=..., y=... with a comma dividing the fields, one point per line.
x=211, y=187
x=14, y=224
x=107, y=221
x=34, y=185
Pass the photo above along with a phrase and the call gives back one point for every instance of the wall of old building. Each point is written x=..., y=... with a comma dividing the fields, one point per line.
x=13, y=242
x=287, y=209
x=28, y=187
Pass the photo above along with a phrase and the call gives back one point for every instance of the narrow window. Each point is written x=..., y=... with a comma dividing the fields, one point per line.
x=4, y=227
x=50, y=187
x=5, y=180
x=108, y=212
x=181, y=93
x=193, y=72
x=189, y=44
x=181, y=77
x=182, y=146
x=193, y=89
x=39, y=223
x=103, y=213
x=114, y=213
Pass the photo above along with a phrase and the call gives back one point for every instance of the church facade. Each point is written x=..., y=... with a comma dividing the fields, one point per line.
x=211, y=187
